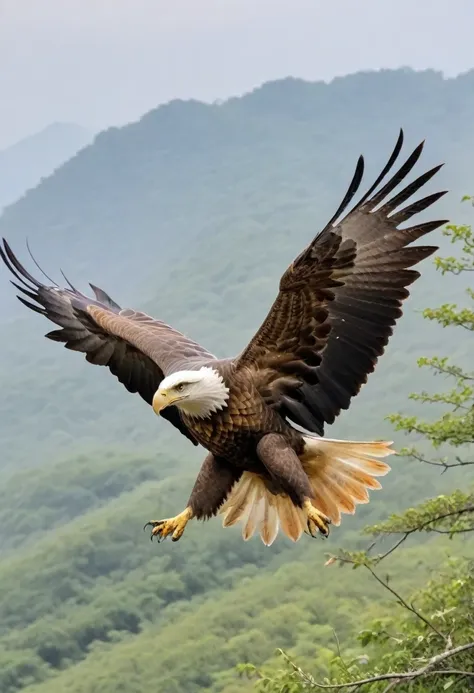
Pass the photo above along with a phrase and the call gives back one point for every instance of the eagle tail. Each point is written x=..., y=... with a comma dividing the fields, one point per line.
x=260, y=510
x=340, y=473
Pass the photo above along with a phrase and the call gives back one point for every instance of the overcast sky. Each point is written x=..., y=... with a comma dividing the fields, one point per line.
x=103, y=62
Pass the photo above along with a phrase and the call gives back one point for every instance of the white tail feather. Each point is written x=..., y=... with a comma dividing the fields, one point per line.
x=339, y=471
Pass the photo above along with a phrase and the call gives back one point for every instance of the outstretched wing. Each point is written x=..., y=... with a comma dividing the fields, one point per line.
x=339, y=301
x=139, y=350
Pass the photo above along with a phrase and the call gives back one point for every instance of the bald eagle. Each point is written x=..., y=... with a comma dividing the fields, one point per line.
x=261, y=415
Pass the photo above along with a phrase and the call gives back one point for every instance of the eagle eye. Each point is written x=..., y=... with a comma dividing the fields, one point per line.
x=180, y=387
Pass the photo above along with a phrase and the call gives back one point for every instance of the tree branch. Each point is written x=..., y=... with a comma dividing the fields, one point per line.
x=423, y=525
x=398, y=597
x=427, y=670
x=439, y=463
x=405, y=604
x=453, y=531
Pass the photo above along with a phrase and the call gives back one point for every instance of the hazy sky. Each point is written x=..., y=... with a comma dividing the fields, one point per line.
x=102, y=62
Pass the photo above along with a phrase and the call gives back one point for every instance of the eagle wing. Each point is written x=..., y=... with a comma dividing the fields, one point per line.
x=339, y=300
x=139, y=350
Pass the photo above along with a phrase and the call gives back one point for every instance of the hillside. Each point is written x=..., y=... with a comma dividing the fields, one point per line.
x=88, y=601
x=24, y=164
x=192, y=214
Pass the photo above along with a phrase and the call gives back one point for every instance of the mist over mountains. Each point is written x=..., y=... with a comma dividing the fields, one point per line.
x=24, y=164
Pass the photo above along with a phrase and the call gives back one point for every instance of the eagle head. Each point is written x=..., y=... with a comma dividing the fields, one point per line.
x=197, y=393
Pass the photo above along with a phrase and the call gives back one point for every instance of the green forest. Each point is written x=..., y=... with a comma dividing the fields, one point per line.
x=192, y=214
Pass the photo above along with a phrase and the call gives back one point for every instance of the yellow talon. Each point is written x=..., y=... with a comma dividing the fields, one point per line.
x=174, y=526
x=316, y=520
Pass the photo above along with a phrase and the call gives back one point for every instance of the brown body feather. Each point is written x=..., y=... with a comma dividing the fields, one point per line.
x=331, y=320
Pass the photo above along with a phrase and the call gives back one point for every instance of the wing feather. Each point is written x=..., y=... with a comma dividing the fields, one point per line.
x=340, y=299
x=139, y=350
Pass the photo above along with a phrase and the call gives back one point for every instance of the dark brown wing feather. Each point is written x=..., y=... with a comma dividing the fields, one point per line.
x=339, y=300
x=137, y=349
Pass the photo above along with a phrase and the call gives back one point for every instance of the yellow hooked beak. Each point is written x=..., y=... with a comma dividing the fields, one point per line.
x=161, y=400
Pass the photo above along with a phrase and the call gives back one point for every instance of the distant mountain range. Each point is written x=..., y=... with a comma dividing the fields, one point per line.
x=24, y=164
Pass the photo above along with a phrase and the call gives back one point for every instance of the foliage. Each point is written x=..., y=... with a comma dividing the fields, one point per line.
x=88, y=581
x=430, y=644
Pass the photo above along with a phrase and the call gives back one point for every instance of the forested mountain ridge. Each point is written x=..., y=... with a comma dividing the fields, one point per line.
x=193, y=214
x=25, y=163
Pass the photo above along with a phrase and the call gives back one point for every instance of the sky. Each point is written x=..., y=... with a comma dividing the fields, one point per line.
x=107, y=62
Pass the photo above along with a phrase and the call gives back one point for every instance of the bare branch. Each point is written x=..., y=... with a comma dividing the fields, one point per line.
x=394, y=547
x=440, y=463
x=405, y=604
x=398, y=597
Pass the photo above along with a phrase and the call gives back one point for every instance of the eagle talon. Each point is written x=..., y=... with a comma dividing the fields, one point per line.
x=174, y=526
x=317, y=522
x=153, y=524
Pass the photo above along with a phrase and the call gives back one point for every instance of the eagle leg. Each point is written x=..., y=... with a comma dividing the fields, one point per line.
x=212, y=486
x=285, y=468
x=174, y=526
x=317, y=522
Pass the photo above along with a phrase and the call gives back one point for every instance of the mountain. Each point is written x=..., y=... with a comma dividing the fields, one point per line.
x=23, y=165
x=192, y=214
